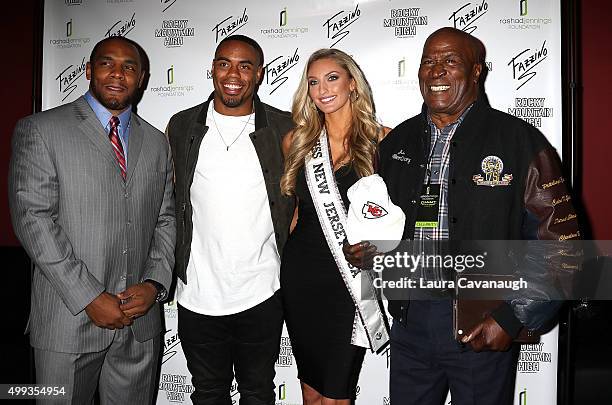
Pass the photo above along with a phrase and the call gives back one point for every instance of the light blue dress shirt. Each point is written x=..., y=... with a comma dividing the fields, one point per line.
x=104, y=117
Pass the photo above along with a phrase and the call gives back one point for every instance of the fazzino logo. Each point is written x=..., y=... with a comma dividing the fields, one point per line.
x=171, y=345
x=465, y=17
x=276, y=70
x=166, y=4
x=371, y=210
x=337, y=25
x=524, y=64
x=230, y=25
x=67, y=78
x=122, y=27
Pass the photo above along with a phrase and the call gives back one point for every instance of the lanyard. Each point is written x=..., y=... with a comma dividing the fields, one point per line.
x=429, y=159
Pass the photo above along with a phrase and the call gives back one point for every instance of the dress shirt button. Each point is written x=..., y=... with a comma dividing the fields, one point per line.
x=123, y=278
x=126, y=194
x=128, y=223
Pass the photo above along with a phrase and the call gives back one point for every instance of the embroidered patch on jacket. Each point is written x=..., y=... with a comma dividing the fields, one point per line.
x=372, y=210
x=492, y=167
x=401, y=156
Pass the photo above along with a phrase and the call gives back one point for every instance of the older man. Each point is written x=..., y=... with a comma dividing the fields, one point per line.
x=456, y=141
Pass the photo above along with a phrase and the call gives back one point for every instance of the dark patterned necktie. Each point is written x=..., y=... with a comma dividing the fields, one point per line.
x=116, y=142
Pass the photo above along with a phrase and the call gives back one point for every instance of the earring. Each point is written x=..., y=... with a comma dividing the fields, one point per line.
x=354, y=96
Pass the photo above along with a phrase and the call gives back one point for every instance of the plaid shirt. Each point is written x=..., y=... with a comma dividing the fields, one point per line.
x=439, y=165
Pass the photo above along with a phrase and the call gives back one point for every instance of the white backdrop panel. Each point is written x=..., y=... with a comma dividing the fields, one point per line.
x=523, y=41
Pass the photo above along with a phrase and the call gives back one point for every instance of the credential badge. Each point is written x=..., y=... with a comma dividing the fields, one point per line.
x=492, y=167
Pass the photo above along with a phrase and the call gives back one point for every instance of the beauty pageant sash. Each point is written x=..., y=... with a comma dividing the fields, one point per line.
x=370, y=326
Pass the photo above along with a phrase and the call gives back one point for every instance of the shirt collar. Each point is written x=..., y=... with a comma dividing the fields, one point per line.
x=104, y=115
x=456, y=123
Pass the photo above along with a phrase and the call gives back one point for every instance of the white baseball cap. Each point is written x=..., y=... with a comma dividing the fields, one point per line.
x=372, y=216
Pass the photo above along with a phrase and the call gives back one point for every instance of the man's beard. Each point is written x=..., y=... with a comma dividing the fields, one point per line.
x=115, y=104
x=111, y=102
x=231, y=102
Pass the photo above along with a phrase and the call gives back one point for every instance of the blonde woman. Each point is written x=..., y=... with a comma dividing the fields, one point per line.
x=333, y=99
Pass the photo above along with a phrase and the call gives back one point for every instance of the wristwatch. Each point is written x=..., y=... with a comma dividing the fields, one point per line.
x=162, y=293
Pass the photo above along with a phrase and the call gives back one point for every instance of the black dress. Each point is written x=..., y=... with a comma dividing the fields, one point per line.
x=319, y=311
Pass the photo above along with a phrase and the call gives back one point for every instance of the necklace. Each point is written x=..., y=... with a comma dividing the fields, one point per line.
x=221, y=135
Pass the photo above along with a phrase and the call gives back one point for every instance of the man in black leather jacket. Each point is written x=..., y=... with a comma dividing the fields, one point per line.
x=501, y=180
x=232, y=224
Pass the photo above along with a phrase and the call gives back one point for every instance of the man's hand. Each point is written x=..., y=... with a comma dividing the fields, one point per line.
x=137, y=299
x=488, y=335
x=104, y=311
x=360, y=255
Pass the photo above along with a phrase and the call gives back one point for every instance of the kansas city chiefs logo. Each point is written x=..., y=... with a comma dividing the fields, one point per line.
x=372, y=210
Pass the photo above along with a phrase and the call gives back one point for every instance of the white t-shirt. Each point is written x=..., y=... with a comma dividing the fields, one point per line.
x=234, y=262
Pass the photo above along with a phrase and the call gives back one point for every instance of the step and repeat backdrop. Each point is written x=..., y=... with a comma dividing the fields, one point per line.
x=523, y=41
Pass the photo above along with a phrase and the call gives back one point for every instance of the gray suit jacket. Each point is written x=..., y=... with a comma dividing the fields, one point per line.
x=85, y=229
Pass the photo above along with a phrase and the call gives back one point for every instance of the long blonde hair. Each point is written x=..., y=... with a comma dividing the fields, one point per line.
x=364, y=129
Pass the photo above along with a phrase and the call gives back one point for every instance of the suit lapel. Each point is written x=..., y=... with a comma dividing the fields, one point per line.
x=94, y=131
x=135, y=140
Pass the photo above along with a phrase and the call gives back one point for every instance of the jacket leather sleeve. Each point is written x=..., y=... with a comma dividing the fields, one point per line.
x=549, y=215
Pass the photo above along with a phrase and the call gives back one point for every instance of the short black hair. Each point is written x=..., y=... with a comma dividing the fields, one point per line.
x=96, y=48
x=247, y=40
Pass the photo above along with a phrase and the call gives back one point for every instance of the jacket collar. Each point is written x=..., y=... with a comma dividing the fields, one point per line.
x=91, y=128
x=479, y=105
x=261, y=119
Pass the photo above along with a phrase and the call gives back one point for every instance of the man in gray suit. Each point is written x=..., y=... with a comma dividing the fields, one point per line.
x=91, y=199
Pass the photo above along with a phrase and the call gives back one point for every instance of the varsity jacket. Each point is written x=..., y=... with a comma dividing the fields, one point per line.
x=523, y=195
x=186, y=130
